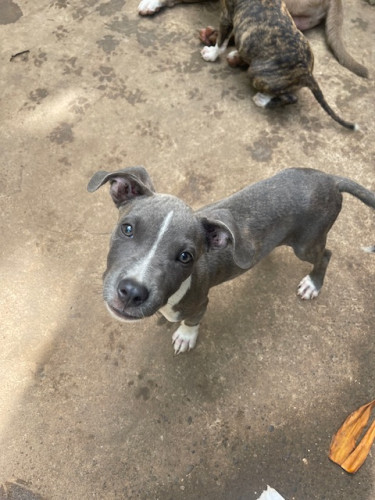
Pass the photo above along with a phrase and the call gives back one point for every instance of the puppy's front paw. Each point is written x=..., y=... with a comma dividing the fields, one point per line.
x=210, y=54
x=149, y=7
x=185, y=338
x=307, y=289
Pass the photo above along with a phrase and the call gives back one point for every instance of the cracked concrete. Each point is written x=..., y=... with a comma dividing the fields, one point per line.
x=91, y=408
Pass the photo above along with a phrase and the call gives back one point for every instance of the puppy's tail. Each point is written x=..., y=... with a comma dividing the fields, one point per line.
x=346, y=185
x=312, y=84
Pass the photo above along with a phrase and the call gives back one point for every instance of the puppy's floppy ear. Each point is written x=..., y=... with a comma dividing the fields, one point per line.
x=126, y=184
x=222, y=230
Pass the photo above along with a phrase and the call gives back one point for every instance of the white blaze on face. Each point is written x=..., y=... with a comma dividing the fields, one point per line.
x=139, y=271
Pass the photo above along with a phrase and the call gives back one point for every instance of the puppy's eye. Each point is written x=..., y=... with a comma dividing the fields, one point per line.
x=127, y=230
x=185, y=257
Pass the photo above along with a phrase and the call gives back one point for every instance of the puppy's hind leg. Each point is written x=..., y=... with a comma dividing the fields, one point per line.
x=319, y=256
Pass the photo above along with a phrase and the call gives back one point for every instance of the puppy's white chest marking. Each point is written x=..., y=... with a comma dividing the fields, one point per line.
x=167, y=310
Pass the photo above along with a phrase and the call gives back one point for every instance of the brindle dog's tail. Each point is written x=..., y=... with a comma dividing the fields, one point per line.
x=312, y=84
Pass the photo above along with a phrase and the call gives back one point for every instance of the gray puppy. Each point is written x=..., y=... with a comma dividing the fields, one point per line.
x=279, y=57
x=165, y=257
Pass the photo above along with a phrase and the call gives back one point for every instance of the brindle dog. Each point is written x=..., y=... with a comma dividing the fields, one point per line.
x=279, y=57
x=306, y=14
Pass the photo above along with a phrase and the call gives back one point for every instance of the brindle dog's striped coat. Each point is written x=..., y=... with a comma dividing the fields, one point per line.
x=280, y=58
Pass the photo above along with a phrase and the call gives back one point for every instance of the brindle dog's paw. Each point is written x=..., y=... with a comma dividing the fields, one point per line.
x=208, y=35
x=149, y=7
x=234, y=60
x=210, y=54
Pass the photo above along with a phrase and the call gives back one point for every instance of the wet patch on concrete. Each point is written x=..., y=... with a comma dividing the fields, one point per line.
x=114, y=87
x=310, y=143
x=79, y=106
x=235, y=93
x=110, y=8
x=116, y=352
x=35, y=98
x=260, y=151
x=123, y=25
x=9, y=12
x=61, y=4
x=70, y=66
x=263, y=148
x=38, y=95
x=152, y=129
x=17, y=490
x=62, y=134
x=108, y=44
x=40, y=58
x=84, y=9
x=151, y=38
x=11, y=181
x=60, y=32
x=213, y=110
x=192, y=65
x=196, y=187
x=358, y=21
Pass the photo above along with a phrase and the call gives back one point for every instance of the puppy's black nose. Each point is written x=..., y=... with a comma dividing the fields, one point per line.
x=132, y=293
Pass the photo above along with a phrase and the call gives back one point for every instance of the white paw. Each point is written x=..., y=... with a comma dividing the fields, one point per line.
x=306, y=289
x=232, y=54
x=210, y=53
x=185, y=338
x=262, y=100
x=148, y=7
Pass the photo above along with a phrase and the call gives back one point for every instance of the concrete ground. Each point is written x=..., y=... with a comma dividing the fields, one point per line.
x=92, y=408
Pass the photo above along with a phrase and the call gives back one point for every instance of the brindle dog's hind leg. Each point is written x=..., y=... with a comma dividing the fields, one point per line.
x=225, y=32
x=282, y=100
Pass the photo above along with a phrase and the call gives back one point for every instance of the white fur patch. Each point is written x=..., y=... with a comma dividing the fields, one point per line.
x=139, y=271
x=147, y=7
x=185, y=338
x=167, y=310
x=306, y=289
x=262, y=100
x=232, y=54
x=210, y=54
